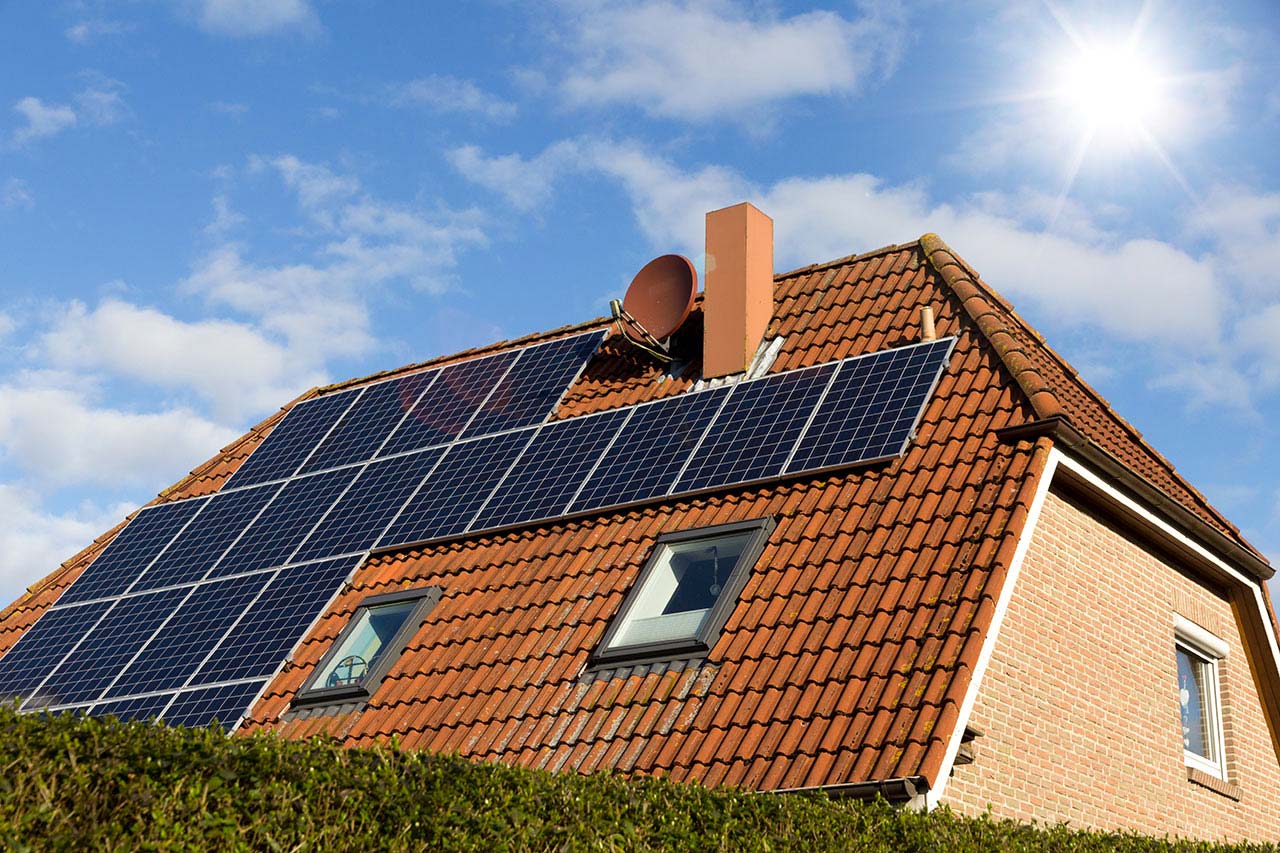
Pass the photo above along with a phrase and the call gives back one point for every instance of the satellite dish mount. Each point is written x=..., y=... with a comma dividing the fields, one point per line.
x=657, y=304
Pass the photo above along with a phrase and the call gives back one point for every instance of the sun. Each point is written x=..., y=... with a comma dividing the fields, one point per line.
x=1112, y=90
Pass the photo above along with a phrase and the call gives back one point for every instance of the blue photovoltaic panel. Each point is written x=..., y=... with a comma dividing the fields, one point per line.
x=650, y=450
x=442, y=413
x=449, y=499
x=358, y=519
x=358, y=436
x=87, y=671
x=284, y=523
x=292, y=440
x=141, y=708
x=131, y=551
x=199, y=708
x=44, y=644
x=872, y=407
x=276, y=622
x=178, y=649
x=755, y=432
x=550, y=470
x=197, y=548
x=540, y=377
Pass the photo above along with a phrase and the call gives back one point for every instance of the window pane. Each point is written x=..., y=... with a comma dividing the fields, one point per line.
x=360, y=651
x=1193, y=696
x=681, y=590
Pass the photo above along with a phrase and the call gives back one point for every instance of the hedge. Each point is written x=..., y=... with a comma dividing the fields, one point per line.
x=72, y=783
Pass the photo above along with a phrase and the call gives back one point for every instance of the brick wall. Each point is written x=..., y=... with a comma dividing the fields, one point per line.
x=1078, y=710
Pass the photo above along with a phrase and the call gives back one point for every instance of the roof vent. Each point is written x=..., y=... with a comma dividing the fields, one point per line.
x=657, y=304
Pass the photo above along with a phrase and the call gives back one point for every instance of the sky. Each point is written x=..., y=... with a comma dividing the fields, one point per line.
x=209, y=206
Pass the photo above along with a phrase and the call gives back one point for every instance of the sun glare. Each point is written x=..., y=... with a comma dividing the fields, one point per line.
x=1112, y=90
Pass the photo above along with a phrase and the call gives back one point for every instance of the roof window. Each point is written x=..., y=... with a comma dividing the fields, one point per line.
x=685, y=593
x=367, y=648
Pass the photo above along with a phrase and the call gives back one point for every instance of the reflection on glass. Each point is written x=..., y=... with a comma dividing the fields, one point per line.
x=681, y=590
x=374, y=629
x=1193, y=697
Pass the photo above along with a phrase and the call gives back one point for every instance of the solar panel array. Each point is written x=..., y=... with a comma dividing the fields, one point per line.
x=192, y=608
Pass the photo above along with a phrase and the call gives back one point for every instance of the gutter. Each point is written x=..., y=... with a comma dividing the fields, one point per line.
x=910, y=791
x=1063, y=433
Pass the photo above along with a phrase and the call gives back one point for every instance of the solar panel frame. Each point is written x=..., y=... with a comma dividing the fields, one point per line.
x=293, y=440
x=647, y=439
x=738, y=434
x=445, y=410
x=865, y=388
x=118, y=566
x=356, y=520
x=536, y=383
x=544, y=479
x=111, y=643
x=43, y=646
x=362, y=433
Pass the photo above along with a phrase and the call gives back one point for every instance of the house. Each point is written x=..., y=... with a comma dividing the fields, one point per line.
x=839, y=543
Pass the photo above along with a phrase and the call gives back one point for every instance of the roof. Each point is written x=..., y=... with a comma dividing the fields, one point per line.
x=854, y=641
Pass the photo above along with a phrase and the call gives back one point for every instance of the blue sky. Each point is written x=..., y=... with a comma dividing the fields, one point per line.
x=208, y=206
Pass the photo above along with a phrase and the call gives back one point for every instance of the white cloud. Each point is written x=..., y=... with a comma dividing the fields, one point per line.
x=699, y=60
x=1132, y=289
x=42, y=120
x=225, y=218
x=7, y=326
x=229, y=108
x=35, y=541
x=232, y=365
x=1245, y=228
x=91, y=30
x=101, y=103
x=59, y=436
x=525, y=184
x=15, y=193
x=452, y=95
x=254, y=17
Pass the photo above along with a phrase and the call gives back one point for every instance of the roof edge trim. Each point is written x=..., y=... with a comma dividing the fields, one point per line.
x=1063, y=433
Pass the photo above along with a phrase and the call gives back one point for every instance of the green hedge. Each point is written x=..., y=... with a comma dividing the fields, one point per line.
x=69, y=783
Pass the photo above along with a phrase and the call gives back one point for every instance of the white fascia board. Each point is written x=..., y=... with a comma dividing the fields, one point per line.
x=993, y=632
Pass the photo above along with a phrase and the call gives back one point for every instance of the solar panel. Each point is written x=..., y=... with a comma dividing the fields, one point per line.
x=140, y=708
x=189, y=556
x=754, y=433
x=650, y=451
x=43, y=646
x=131, y=551
x=226, y=704
x=533, y=386
x=106, y=649
x=358, y=519
x=285, y=522
x=448, y=500
x=178, y=648
x=442, y=413
x=276, y=622
x=550, y=470
x=872, y=406
x=369, y=423
x=292, y=440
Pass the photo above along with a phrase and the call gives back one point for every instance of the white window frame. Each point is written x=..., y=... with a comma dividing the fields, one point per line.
x=1210, y=649
x=610, y=652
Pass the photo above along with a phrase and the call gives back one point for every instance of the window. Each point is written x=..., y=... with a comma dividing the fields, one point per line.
x=365, y=650
x=1199, y=697
x=684, y=593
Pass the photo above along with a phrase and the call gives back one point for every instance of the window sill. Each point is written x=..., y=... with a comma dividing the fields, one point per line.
x=1213, y=783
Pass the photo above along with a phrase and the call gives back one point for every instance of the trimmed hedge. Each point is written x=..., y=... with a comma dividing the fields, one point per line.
x=70, y=783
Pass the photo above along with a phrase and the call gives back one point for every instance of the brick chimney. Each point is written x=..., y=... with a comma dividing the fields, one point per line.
x=738, y=299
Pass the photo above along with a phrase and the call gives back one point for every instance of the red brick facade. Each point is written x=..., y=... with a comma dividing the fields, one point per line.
x=1078, y=710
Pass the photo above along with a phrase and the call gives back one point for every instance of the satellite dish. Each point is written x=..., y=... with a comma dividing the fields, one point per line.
x=657, y=302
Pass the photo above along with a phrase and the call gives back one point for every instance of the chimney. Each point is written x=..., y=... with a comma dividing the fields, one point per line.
x=738, y=300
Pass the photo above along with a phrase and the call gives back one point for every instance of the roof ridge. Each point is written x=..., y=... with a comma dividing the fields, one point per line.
x=847, y=259
x=968, y=285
